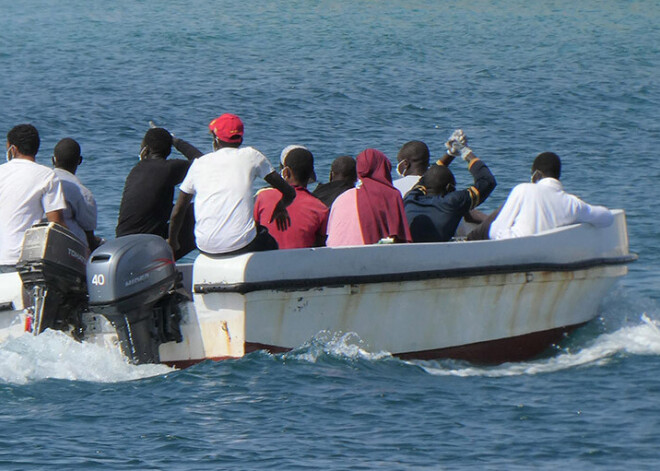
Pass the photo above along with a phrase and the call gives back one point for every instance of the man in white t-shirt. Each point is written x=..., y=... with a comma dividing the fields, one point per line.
x=221, y=183
x=541, y=205
x=80, y=212
x=28, y=191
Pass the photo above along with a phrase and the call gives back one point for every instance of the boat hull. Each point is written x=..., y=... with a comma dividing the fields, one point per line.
x=486, y=301
x=464, y=317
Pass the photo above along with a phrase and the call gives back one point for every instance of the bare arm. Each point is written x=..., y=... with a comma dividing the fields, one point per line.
x=92, y=240
x=280, y=214
x=176, y=219
x=56, y=216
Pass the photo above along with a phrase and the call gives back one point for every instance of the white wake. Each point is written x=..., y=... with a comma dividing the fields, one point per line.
x=339, y=345
x=53, y=354
x=639, y=339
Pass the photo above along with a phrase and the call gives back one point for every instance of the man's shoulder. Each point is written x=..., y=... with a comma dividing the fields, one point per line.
x=404, y=184
x=521, y=189
x=178, y=162
x=267, y=192
x=414, y=196
x=65, y=176
x=346, y=197
x=310, y=200
x=29, y=169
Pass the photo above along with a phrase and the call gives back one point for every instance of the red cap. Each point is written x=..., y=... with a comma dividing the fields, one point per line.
x=227, y=128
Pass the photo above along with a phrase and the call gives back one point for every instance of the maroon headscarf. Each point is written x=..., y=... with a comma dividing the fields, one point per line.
x=380, y=207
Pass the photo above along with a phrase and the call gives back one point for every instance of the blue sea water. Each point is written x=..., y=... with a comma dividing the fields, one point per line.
x=520, y=77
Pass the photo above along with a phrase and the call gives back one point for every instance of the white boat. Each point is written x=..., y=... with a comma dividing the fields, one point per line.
x=485, y=301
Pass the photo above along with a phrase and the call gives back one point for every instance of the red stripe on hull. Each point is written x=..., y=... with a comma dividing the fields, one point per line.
x=519, y=348
x=181, y=364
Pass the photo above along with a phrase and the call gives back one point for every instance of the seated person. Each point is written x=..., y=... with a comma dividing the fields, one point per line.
x=434, y=208
x=28, y=191
x=309, y=216
x=80, y=212
x=221, y=183
x=413, y=160
x=342, y=177
x=146, y=202
x=540, y=205
x=372, y=211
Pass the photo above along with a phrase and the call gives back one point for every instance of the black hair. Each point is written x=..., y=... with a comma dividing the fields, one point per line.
x=26, y=139
x=415, y=152
x=67, y=153
x=159, y=141
x=301, y=163
x=548, y=163
x=436, y=179
x=344, y=168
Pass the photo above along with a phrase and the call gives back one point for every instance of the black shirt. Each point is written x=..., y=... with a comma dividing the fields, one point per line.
x=146, y=202
x=328, y=192
x=434, y=218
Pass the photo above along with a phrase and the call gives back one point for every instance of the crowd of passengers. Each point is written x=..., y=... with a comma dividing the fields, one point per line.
x=217, y=213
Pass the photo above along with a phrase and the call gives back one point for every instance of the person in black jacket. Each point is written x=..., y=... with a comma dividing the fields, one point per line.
x=146, y=202
x=343, y=176
x=434, y=208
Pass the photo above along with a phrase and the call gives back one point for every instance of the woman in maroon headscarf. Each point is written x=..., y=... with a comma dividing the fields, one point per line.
x=373, y=211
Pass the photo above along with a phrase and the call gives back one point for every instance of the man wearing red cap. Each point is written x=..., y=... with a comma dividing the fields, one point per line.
x=221, y=183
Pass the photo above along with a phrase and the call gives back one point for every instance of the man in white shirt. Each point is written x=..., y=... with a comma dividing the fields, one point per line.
x=221, y=183
x=543, y=204
x=80, y=212
x=27, y=192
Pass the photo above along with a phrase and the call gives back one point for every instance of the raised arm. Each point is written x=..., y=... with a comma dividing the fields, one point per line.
x=484, y=181
x=188, y=150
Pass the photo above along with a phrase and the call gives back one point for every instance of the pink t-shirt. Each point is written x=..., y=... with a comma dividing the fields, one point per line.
x=343, y=223
x=309, y=218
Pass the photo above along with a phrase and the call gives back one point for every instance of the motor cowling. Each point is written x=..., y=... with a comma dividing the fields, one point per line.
x=133, y=282
x=52, y=268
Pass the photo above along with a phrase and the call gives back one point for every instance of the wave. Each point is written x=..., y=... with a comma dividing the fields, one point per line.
x=55, y=355
x=640, y=339
x=335, y=345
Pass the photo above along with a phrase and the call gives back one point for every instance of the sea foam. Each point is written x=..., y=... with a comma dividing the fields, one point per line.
x=642, y=338
x=55, y=355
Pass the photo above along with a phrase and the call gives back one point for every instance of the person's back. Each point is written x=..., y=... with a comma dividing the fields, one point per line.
x=146, y=201
x=28, y=192
x=371, y=212
x=434, y=208
x=309, y=216
x=223, y=219
x=343, y=177
x=80, y=214
x=542, y=205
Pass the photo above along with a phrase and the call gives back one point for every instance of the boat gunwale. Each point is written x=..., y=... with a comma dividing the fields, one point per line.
x=337, y=281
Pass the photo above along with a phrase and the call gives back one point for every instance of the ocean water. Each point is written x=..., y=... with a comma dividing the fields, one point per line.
x=577, y=78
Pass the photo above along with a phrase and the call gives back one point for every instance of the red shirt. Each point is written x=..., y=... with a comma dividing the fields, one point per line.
x=309, y=218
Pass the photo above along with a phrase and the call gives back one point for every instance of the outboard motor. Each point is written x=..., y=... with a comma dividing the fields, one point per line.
x=52, y=269
x=133, y=282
